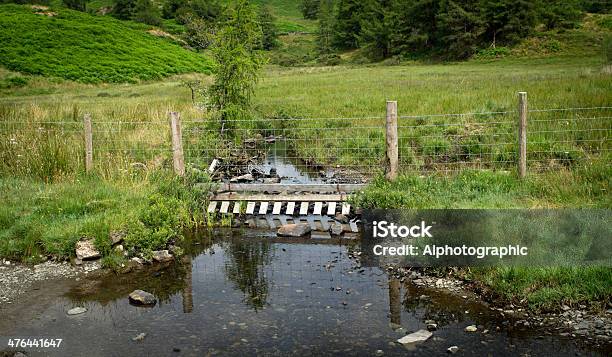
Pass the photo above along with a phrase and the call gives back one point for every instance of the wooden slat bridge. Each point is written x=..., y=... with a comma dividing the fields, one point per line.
x=282, y=199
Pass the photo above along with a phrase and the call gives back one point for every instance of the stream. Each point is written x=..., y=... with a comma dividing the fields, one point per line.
x=246, y=292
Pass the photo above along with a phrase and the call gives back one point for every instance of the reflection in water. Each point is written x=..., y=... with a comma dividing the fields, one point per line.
x=245, y=268
x=395, y=305
x=235, y=294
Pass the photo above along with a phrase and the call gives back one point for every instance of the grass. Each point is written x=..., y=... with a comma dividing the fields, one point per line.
x=85, y=48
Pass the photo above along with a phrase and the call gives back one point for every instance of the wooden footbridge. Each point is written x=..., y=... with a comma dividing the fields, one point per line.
x=283, y=199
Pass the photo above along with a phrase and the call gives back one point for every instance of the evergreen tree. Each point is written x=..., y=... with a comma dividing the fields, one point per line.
x=238, y=60
x=347, y=26
x=79, y=5
x=123, y=9
x=414, y=25
x=146, y=12
x=170, y=8
x=326, y=22
x=375, y=36
x=508, y=21
x=560, y=13
x=310, y=9
x=459, y=28
x=268, y=28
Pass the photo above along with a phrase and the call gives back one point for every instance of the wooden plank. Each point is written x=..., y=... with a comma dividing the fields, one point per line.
x=317, y=208
x=277, y=208
x=212, y=206
x=346, y=208
x=263, y=208
x=232, y=196
x=250, y=208
x=289, y=188
x=237, y=205
x=224, y=207
x=331, y=208
x=290, y=208
x=304, y=209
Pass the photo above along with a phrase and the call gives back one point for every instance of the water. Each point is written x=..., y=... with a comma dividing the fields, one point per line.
x=247, y=293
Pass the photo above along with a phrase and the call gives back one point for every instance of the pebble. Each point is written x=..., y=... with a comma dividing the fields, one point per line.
x=77, y=310
x=471, y=328
x=452, y=349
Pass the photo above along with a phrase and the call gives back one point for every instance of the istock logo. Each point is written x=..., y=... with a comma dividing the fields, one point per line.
x=384, y=229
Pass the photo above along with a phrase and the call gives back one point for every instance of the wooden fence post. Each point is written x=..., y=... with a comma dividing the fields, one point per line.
x=88, y=142
x=522, y=134
x=392, y=151
x=178, y=159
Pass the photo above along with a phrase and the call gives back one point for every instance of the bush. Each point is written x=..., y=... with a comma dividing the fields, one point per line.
x=493, y=52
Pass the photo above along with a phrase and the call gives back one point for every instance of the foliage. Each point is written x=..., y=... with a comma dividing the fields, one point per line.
x=347, y=25
x=310, y=9
x=269, y=31
x=199, y=33
x=238, y=61
x=78, y=5
x=92, y=48
x=326, y=23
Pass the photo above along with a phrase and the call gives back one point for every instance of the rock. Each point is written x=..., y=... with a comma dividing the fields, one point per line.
x=379, y=353
x=271, y=180
x=139, y=337
x=140, y=297
x=119, y=248
x=137, y=260
x=432, y=327
x=162, y=256
x=565, y=307
x=78, y=261
x=350, y=236
x=20, y=354
x=471, y=328
x=86, y=250
x=116, y=237
x=243, y=178
x=320, y=235
x=336, y=228
x=77, y=310
x=342, y=218
x=294, y=230
x=452, y=349
x=419, y=336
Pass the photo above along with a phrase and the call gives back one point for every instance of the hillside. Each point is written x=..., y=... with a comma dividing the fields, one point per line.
x=58, y=42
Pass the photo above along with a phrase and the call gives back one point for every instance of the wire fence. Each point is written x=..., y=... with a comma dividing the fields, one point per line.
x=317, y=148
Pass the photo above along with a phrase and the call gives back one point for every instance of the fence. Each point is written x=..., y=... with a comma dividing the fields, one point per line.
x=524, y=139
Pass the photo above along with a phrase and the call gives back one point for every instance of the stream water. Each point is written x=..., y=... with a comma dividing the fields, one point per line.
x=248, y=292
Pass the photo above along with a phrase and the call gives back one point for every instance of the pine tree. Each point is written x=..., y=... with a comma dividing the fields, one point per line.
x=414, y=25
x=239, y=62
x=268, y=28
x=347, y=26
x=310, y=9
x=146, y=12
x=375, y=36
x=507, y=21
x=459, y=28
x=326, y=23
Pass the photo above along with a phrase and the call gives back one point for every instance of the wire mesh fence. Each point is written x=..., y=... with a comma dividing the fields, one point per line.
x=556, y=138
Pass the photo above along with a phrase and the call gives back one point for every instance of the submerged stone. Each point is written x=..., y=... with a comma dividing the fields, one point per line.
x=140, y=297
x=419, y=336
x=77, y=310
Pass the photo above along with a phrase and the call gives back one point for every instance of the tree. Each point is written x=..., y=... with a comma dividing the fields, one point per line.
x=375, y=36
x=560, y=13
x=326, y=23
x=199, y=33
x=238, y=61
x=459, y=28
x=310, y=9
x=79, y=5
x=123, y=9
x=170, y=8
x=269, y=31
x=347, y=25
x=146, y=12
x=508, y=20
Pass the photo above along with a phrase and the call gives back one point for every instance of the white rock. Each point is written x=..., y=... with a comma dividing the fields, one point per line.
x=452, y=349
x=162, y=255
x=86, y=249
x=77, y=310
x=139, y=337
x=419, y=336
x=471, y=328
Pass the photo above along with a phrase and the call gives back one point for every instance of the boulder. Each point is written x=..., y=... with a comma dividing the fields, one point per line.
x=77, y=310
x=140, y=297
x=116, y=237
x=342, y=218
x=336, y=228
x=419, y=336
x=294, y=230
x=86, y=250
x=162, y=256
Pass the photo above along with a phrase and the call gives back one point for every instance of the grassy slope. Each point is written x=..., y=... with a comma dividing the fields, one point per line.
x=77, y=46
x=289, y=16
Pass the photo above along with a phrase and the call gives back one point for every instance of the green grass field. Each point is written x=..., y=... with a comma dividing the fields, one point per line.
x=77, y=46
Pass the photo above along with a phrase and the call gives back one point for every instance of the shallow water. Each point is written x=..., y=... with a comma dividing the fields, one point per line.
x=247, y=293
